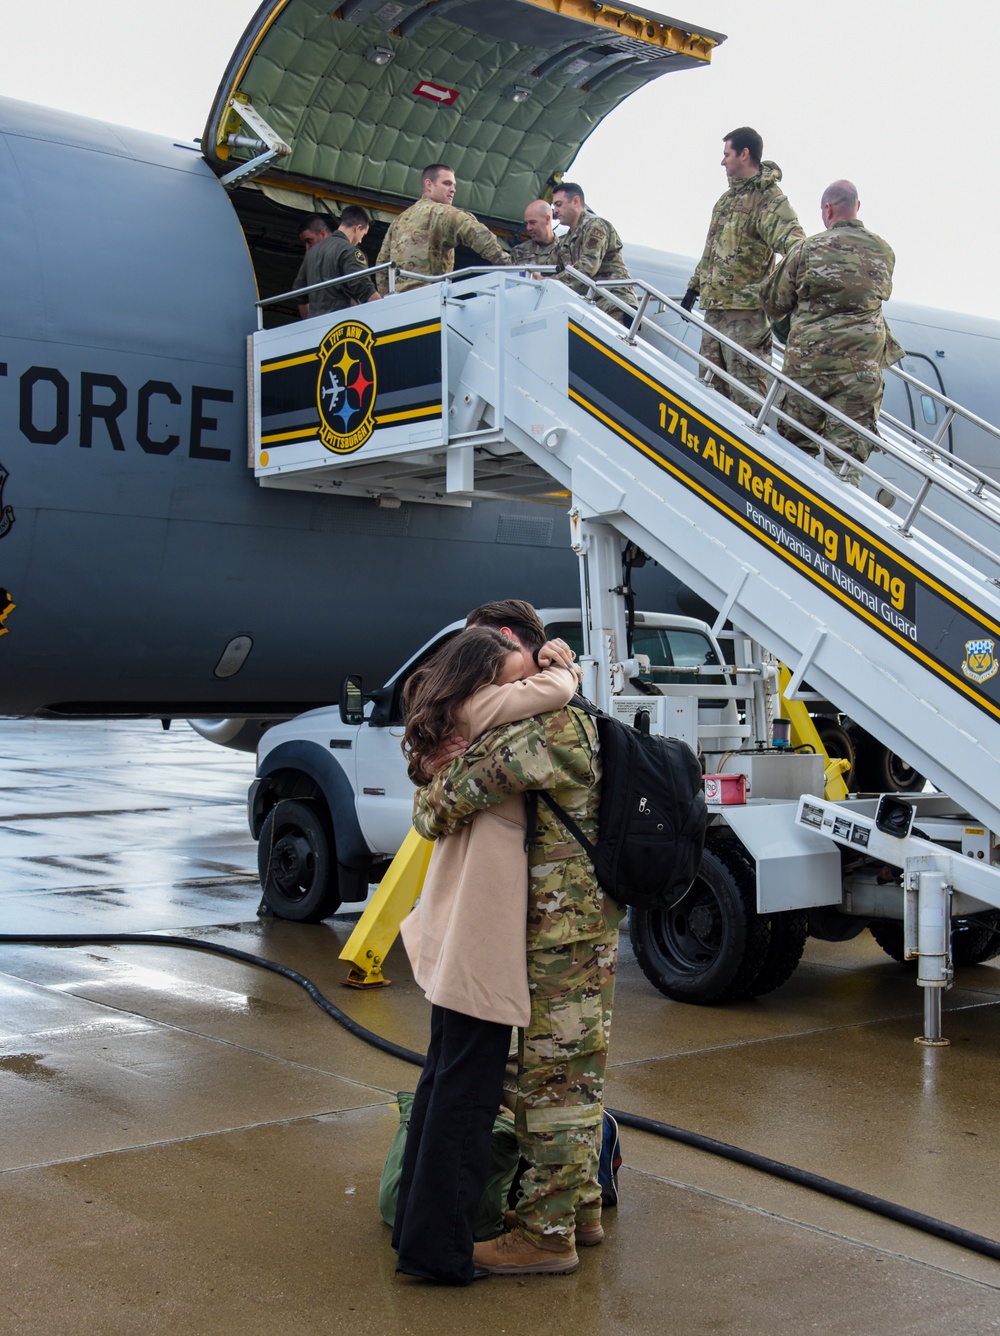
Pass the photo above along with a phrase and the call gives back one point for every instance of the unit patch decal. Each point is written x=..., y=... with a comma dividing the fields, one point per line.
x=980, y=663
x=354, y=385
x=346, y=388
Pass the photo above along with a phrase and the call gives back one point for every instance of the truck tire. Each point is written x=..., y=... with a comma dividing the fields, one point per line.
x=788, y=932
x=298, y=872
x=974, y=939
x=711, y=945
x=879, y=770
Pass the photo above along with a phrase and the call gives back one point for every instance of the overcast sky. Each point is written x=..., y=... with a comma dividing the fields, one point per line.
x=897, y=95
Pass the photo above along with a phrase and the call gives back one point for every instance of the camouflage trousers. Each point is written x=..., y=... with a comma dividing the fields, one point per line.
x=750, y=329
x=562, y=1057
x=623, y=294
x=857, y=395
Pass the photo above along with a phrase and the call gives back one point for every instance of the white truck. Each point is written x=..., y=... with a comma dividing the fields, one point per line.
x=331, y=804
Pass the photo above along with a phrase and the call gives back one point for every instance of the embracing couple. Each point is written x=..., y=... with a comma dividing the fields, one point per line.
x=511, y=930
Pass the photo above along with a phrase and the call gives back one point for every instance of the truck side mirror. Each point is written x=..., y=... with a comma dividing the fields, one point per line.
x=352, y=700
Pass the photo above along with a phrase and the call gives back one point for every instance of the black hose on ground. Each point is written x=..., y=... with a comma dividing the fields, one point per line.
x=816, y=1183
x=927, y=1224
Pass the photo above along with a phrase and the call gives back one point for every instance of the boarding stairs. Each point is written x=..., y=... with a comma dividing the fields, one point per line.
x=496, y=384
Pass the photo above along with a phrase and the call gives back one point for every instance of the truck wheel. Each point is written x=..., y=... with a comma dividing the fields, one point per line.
x=789, y=931
x=973, y=940
x=839, y=747
x=709, y=946
x=879, y=770
x=889, y=935
x=298, y=874
x=976, y=938
x=787, y=940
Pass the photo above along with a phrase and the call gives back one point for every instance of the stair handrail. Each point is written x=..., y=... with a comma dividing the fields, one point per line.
x=932, y=471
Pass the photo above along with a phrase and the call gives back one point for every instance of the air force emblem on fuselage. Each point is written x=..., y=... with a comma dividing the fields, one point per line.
x=980, y=662
x=346, y=388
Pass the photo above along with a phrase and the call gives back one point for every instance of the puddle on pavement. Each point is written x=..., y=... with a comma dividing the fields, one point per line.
x=29, y=1065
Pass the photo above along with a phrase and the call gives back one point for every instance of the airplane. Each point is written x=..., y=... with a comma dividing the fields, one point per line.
x=144, y=571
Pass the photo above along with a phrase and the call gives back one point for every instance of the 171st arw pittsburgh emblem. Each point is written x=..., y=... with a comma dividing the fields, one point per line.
x=980, y=660
x=346, y=388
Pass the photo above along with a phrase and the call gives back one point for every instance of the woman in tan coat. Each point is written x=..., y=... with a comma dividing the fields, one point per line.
x=466, y=942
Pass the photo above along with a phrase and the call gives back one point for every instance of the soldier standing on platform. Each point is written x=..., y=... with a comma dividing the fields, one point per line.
x=751, y=223
x=334, y=255
x=591, y=245
x=832, y=286
x=424, y=236
x=542, y=246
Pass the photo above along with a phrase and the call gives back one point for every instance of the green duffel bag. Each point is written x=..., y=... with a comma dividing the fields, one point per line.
x=504, y=1158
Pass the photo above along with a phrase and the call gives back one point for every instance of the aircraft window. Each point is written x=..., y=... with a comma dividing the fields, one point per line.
x=929, y=409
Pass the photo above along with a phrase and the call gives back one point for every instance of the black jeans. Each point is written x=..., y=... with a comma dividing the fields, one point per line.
x=447, y=1156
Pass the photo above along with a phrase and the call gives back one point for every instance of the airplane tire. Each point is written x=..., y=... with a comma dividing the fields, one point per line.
x=298, y=872
x=711, y=945
x=879, y=770
x=974, y=939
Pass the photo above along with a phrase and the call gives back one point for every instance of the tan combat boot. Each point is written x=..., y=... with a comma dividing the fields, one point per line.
x=588, y=1233
x=519, y=1254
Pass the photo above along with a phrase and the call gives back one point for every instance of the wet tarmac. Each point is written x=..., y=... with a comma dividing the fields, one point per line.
x=191, y=1146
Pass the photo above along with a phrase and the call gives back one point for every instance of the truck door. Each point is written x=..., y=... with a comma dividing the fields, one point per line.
x=384, y=793
x=384, y=790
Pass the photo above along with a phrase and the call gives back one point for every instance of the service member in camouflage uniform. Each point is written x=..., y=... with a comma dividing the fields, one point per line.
x=591, y=245
x=751, y=223
x=424, y=236
x=542, y=245
x=335, y=255
x=832, y=286
x=572, y=944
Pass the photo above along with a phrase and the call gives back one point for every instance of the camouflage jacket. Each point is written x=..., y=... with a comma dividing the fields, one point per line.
x=535, y=252
x=833, y=286
x=751, y=223
x=423, y=239
x=595, y=248
x=557, y=752
x=334, y=257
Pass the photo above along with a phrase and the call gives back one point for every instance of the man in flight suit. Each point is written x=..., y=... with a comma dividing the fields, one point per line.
x=591, y=245
x=542, y=245
x=334, y=255
x=832, y=286
x=751, y=223
x=424, y=236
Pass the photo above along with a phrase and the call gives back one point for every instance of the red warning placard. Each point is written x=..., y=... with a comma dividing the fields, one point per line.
x=444, y=97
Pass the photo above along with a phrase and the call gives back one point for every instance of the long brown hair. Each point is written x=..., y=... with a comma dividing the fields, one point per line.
x=472, y=659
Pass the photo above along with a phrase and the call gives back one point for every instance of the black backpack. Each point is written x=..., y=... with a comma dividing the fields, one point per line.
x=651, y=824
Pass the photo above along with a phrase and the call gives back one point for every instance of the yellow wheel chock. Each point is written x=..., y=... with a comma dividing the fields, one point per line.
x=378, y=927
